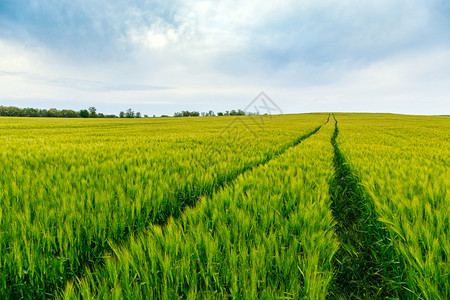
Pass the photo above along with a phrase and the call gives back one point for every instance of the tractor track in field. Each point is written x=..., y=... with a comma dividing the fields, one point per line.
x=366, y=264
x=191, y=202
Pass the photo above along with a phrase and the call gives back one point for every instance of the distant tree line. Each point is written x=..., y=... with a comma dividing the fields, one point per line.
x=12, y=111
x=91, y=112
x=186, y=113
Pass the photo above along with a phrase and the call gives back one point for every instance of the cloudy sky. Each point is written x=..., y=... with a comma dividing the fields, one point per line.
x=160, y=56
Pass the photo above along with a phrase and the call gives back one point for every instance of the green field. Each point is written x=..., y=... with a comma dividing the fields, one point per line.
x=308, y=206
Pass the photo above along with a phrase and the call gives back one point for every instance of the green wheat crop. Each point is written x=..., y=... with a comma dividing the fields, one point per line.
x=288, y=206
x=68, y=187
x=403, y=163
x=268, y=235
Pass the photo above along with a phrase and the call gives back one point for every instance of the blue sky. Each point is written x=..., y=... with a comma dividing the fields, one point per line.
x=159, y=57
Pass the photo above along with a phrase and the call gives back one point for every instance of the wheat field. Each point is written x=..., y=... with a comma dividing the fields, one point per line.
x=307, y=206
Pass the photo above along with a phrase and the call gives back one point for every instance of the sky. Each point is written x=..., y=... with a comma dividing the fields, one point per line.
x=159, y=57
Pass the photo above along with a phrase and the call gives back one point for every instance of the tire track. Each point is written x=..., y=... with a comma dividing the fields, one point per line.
x=366, y=264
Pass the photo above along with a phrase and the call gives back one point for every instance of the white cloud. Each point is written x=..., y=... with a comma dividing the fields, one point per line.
x=309, y=55
x=413, y=82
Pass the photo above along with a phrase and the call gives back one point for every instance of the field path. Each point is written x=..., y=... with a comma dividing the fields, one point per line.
x=366, y=262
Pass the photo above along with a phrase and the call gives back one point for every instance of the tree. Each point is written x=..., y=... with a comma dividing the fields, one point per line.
x=121, y=114
x=220, y=113
x=53, y=113
x=84, y=113
x=10, y=111
x=129, y=113
x=138, y=115
x=92, y=112
x=31, y=112
x=68, y=113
